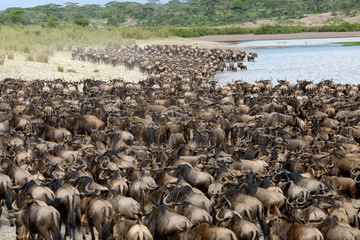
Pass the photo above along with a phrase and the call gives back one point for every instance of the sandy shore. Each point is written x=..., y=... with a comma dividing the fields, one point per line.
x=74, y=70
x=228, y=41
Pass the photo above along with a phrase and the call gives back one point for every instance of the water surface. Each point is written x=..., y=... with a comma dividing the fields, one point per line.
x=300, y=59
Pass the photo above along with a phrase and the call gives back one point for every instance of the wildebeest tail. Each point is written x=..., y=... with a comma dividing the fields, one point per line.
x=56, y=203
x=107, y=229
x=71, y=217
x=57, y=232
x=9, y=198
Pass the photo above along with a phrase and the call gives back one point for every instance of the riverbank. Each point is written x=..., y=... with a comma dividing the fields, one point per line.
x=60, y=65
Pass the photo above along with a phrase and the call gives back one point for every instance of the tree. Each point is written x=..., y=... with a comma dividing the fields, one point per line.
x=209, y=6
x=238, y=5
x=317, y=4
x=174, y=3
x=16, y=16
x=153, y=2
x=116, y=15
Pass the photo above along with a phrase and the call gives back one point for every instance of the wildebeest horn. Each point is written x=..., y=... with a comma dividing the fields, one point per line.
x=218, y=218
x=13, y=153
x=331, y=165
x=301, y=202
x=299, y=218
x=38, y=177
x=278, y=211
x=101, y=175
x=228, y=201
x=338, y=189
x=165, y=201
x=289, y=203
x=14, y=207
x=103, y=167
x=88, y=190
x=356, y=178
x=17, y=187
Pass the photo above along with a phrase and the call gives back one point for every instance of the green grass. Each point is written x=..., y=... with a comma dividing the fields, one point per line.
x=277, y=29
x=39, y=43
x=349, y=44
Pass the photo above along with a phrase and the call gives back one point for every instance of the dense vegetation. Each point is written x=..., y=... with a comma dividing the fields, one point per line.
x=175, y=13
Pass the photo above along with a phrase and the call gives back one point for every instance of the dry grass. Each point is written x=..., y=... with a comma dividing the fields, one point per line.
x=30, y=58
x=43, y=55
x=10, y=55
x=2, y=59
x=29, y=38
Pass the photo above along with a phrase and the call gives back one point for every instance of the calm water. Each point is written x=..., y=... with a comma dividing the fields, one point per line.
x=305, y=59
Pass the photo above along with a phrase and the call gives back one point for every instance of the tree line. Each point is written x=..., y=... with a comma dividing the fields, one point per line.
x=175, y=13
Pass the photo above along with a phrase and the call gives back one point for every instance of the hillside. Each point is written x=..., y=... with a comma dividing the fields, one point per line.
x=189, y=13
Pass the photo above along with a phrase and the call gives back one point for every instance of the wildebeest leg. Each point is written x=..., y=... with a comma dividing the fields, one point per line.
x=66, y=230
x=46, y=235
x=84, y=226
x=32, y=235
x=92, y=232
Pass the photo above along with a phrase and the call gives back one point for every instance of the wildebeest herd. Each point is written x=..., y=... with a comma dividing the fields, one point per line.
x=176, y=156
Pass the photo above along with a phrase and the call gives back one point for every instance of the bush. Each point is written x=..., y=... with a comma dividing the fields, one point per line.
x=52, y=22
x=60, y=69
x=82, y=22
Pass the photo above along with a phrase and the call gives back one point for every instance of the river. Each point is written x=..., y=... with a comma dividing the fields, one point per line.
x=302, y=59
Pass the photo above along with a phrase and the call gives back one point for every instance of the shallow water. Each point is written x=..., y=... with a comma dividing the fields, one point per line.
x=302, y=59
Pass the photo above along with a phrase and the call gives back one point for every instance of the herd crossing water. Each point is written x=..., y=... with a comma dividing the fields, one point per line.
x=304, y=59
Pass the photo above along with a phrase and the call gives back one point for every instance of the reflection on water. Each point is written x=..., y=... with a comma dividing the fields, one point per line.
x=303, y=59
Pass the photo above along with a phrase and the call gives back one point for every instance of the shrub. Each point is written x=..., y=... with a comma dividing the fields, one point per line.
x=52, y=22
x=60, y=69
x=82, y=22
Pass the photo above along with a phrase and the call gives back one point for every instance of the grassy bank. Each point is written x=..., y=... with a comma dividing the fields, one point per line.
x=265, y=29
x=39, y=43
x=31, y=40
